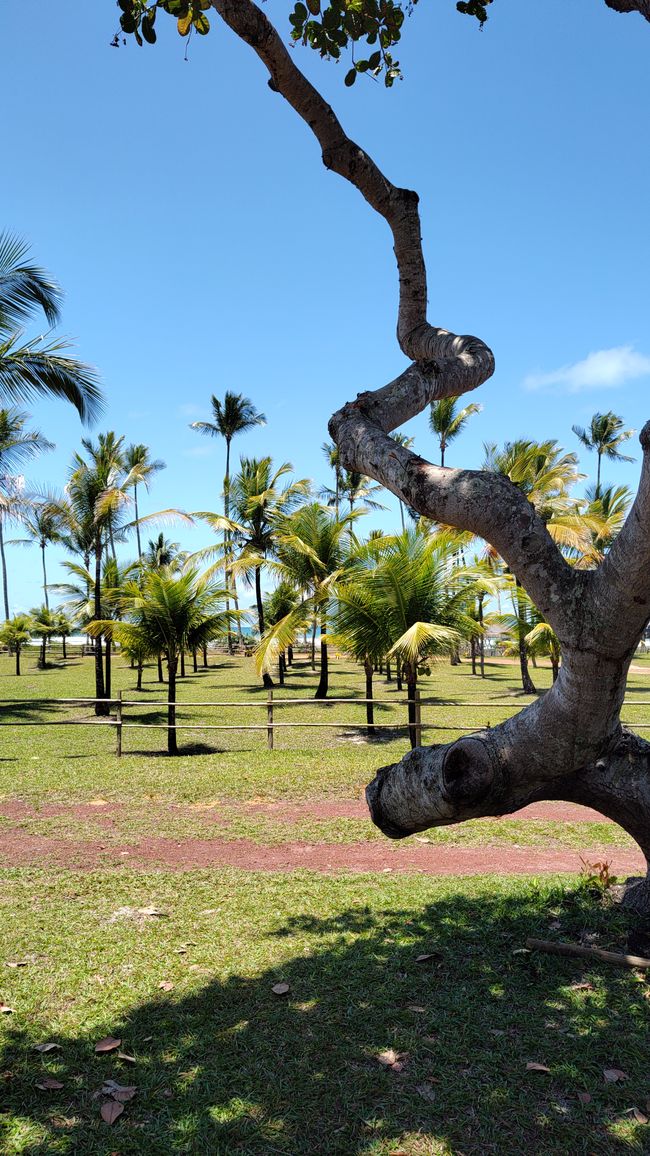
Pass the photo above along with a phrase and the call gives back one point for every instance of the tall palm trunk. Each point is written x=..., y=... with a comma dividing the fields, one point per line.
x=370, y=708
x=526, y=681
x=137, y=528
x=472, y=648
x=101, y=708
x=47, y=603
x=172, y=744
x=323, y=682
x=63, y=640
x=266, y=677
x=481, y=638
x=160, y=669
x=41, y=661
x=18, y=658
x=140, y=667
x=226, y=538
x=5, y=585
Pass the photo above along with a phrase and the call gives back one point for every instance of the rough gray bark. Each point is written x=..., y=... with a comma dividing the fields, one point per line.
x=569, y=744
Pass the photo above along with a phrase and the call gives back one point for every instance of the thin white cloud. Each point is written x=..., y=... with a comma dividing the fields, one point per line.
x=192, y=409
x=604, y=369
x=203, y=450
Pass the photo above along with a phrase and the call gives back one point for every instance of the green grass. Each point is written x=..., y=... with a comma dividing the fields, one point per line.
x=224, y=1066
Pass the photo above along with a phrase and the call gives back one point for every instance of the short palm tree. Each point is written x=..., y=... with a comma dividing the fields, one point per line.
x=16, y=633
x=359, y=629
x=168, y=612
x=36, y=367
x=421, y=606
x=44, y=624
x=141, y=468
x=447, y=422
x=605, y=435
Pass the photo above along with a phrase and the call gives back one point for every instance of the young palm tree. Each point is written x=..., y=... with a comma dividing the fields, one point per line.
x=605, y=435
x=17, y=446
x=140, y=468
x=260, y=500
x=446, y=422
x=420, y=603
x=36, y=367
x=280, y=602
x=359, y=629
x=168, y=612
x=314, y=550
x=545, y=474
x=234, y=415
x=96, y=495
x=160, y=552
x=43, y=623
x=604, y=517
x=16, y=633
x=64, y=627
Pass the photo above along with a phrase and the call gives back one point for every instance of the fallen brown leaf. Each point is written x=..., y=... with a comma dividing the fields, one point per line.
x=612, y=1075
x=428, y=955
x=396, y=1061
x=5, y=1010
x=17, y=962
x=110, y=1111
x=165, y=985
x=121, y=1092
x=639, y=1116
x=49, y=1047
x=533, y=1067
x=152, y=911
x=281, y=989
x=582, y=987
x=49, y=1084
x=108, y=1044
x=127, y=1059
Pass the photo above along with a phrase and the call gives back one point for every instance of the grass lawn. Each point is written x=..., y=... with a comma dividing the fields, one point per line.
x=223, y=1065
x=370, y=1052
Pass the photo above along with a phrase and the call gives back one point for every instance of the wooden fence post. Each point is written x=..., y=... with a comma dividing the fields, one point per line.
x=269, y=719
x=118, y=721
x=418, y=719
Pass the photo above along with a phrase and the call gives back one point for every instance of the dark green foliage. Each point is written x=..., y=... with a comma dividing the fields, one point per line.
x=329, y=28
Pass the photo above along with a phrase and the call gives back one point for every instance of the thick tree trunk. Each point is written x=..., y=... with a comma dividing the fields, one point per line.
x=370, y=708
x=172, y=743
x=568, y=744
x=389, y=673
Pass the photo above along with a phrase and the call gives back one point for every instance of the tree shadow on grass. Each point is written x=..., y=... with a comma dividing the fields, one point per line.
x=232, y=1068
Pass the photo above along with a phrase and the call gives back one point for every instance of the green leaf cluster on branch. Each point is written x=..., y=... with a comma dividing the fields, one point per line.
x=329, y=28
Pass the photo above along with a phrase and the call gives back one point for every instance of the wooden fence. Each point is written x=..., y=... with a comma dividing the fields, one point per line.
x=121, y=706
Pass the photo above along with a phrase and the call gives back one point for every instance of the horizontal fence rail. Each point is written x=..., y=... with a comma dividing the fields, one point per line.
x=271, y=705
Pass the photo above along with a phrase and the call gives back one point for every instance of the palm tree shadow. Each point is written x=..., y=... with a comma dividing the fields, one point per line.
x=234, y=1068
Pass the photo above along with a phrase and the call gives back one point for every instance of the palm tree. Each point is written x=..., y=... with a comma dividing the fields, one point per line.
x=234, y=415
x=43, y=623
x=545, y=474
x=16, y=633
x=446, y=423
x=168, y=612
x=605, y=435
x=280, y=602
x=37, y=367
x=314, y=550
x=402, y=440
x=259, y=502
x=160, y=552
x=358, y=488
x=604, y=517
x=96, y=494
x=64, y=627
x=43, y=521
x=141, y=469
x=359, y=629
x=17, y=445
x=332, y=497
x=419, y=602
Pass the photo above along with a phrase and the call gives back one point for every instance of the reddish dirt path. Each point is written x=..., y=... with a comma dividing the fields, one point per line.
x=18, y=849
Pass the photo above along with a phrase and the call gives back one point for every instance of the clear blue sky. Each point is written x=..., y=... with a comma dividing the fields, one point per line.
x=203, y=247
